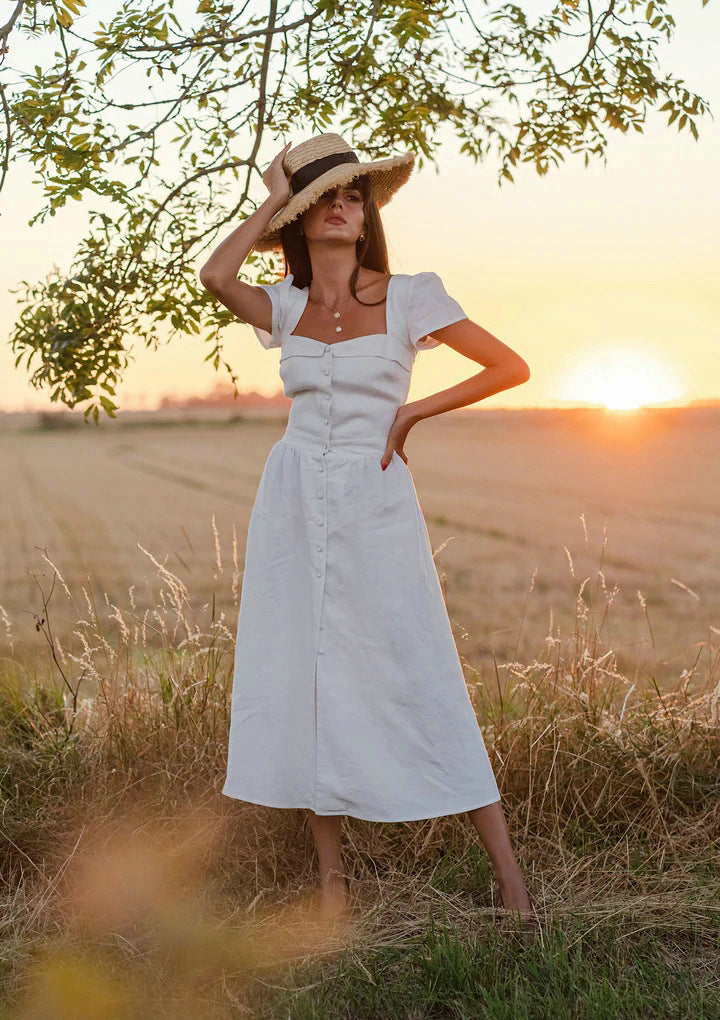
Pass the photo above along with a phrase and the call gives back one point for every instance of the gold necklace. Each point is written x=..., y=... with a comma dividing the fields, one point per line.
x=335, y=311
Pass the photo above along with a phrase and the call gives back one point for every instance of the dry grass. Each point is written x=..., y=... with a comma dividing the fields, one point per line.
x=134, y=889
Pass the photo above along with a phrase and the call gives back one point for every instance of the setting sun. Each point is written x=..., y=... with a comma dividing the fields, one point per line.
x=622, y=379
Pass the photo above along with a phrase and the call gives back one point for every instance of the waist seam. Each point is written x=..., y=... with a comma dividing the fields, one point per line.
x=322, y=447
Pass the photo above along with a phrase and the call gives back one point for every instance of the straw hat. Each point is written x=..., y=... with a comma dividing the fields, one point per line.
x=323, y=162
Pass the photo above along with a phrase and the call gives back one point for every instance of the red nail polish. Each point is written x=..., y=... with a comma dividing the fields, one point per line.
x=384, y=466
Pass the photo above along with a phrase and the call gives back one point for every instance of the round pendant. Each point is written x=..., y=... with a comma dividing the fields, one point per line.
x=338, y=329
x=336, y=314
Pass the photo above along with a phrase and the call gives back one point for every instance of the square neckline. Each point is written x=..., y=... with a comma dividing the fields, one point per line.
x=347, y=339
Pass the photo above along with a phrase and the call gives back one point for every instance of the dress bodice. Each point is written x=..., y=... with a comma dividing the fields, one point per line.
x=345, y=394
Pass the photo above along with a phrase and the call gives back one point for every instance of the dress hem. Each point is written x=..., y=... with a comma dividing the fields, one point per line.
x=365, y=817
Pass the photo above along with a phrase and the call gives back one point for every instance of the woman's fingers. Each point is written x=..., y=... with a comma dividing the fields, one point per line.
x=274, y=176
x=388, y=454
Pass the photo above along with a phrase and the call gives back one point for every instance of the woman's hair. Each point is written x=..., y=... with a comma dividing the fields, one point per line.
x=371, y=252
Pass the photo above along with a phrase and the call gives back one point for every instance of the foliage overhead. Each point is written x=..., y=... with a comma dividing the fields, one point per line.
x=155, y=119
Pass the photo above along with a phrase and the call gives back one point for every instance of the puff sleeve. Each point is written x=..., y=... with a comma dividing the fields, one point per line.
x=429, y=307
x=279, y=294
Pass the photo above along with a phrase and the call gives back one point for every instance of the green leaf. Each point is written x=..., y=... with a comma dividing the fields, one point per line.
x=108, y=405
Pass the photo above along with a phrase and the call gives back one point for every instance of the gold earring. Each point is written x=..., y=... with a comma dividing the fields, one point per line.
x=361, y=238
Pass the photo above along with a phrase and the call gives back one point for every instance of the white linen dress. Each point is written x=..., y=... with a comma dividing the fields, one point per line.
x=348, y=692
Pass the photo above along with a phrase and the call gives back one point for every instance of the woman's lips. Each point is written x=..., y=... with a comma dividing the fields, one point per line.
x=335, y=219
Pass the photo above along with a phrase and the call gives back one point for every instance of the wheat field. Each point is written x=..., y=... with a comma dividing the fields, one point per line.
x=521, y=506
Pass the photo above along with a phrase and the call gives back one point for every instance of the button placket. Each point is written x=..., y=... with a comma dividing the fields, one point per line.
x=321, y=544
x=321, y=493
x=326, y=397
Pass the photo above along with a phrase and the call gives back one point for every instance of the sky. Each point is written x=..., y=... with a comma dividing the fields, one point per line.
x=602, y=278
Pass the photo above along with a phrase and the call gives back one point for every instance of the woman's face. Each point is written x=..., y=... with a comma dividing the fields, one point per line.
x=336, y=216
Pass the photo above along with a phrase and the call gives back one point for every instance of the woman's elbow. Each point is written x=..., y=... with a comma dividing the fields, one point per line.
x=519, y=371
x=206, y=280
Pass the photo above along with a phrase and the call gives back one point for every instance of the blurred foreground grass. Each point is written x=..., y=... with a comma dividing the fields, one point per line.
x=132, y=888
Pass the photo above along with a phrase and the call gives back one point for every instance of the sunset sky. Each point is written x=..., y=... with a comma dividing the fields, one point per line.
x=603, y=279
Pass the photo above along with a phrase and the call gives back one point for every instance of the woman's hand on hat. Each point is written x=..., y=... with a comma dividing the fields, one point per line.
x=275, y=178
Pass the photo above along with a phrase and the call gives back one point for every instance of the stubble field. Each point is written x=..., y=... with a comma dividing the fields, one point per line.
x=522, y=506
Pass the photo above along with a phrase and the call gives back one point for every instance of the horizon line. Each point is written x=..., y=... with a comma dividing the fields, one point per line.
x=558, y=406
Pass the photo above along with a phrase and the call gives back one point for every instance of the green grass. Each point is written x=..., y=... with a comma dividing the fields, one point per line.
x=571, y=973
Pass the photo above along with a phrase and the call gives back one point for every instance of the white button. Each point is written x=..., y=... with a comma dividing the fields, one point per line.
x=318, y=573
x=322, y=625
x=320, y=467
x=327, y=421
x=326, y=371
x=327, y=348
x=319, y=520
x=327, y=396
x=320, y=651
x=320, y=495
x=319, y=548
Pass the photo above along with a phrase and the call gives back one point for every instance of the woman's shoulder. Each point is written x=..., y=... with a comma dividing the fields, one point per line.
x=426, y=276
x=418, y=279
x=285, y=285
x=372, y=284
x=416, y=286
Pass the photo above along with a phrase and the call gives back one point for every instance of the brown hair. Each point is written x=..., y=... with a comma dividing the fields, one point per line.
x=371, y=252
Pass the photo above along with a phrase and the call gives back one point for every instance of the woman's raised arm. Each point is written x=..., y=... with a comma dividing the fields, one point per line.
x=219, y=274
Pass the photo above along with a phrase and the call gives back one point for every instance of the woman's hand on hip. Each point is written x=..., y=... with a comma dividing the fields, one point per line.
x=396, y=437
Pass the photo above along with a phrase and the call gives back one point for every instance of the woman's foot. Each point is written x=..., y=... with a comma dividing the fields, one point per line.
x=514, y=895
x=516, y=914
x=333, y=898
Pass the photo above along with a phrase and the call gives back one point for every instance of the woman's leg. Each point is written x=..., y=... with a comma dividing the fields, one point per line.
x=492, y=828
x=326, y=830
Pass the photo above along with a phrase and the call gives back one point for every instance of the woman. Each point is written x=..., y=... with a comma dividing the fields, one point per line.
x=348, y=692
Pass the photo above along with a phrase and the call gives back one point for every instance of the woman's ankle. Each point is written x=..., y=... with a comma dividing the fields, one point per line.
x=510, y=876
x=333, y=877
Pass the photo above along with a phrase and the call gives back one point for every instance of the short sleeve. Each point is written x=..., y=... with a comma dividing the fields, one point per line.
x=279, y=294
x=430, y=307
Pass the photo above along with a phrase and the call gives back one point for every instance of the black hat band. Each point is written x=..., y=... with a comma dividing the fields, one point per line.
x=308, y=173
